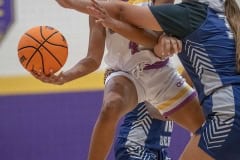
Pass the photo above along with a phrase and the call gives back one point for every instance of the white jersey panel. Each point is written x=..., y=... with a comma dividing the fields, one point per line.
x=125, y=55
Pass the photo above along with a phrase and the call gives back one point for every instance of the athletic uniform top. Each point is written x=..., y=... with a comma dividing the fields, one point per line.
x=138, y=128
x=209, y=48
x=209, y=57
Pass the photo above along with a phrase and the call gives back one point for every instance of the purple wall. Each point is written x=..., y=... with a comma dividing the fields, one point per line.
x=6, y=19
x=54, y=126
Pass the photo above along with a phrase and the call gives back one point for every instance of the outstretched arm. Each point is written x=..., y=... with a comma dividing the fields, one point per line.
x=134, y=15
x=133, y=33
x=86, y=65
x=164, y=46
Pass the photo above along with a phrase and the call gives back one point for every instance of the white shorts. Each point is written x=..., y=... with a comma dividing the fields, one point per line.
x=162, y=87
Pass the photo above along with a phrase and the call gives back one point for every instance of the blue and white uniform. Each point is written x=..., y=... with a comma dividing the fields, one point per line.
x=210, y=59
x=142, y=138
x=213, y=64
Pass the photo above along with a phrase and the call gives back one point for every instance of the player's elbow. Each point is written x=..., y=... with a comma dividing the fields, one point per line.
x=95, y=64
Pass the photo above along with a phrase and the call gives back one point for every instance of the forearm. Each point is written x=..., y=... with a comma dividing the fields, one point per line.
x=95, y=53
x=137, y=35
x=82, y=68
x=82, y=6
x=119, y=10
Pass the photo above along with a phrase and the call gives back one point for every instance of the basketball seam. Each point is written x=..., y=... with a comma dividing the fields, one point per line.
x=46, y=40
x=50, y=42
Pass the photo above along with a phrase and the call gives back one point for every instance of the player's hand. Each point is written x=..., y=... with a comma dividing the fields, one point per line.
x=101, y=14
x=51, y=78
x=167, y=46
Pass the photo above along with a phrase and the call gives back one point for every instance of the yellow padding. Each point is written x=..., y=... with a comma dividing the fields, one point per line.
x=29, y=85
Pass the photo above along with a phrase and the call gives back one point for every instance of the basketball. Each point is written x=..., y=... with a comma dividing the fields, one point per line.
x=42, y=48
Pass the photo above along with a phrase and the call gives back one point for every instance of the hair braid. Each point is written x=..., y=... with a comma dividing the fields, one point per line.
x=232, y=13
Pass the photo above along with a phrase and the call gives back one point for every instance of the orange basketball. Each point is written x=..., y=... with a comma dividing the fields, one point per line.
x=42, y=48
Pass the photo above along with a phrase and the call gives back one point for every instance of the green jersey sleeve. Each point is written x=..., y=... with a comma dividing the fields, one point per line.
x=180, y=19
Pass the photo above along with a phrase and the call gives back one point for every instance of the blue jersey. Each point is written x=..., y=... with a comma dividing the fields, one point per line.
x=209, y=56
x=138, y=128
x=210, y=59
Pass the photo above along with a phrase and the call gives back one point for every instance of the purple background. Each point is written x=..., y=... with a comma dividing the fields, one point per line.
x=7, y=17
x=55, y=126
